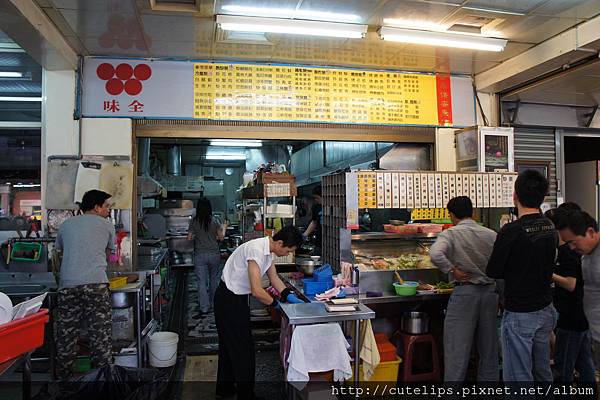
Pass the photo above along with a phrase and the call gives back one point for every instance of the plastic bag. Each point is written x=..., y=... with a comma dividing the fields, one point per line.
x=111, y=382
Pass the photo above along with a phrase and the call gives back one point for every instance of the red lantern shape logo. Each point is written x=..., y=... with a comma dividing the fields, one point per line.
x=124, y=78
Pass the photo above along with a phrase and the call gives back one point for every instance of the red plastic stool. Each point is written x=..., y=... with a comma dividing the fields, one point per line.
x=410, y=345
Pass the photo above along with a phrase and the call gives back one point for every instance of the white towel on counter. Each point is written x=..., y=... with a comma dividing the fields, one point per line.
x=318, y=348
x=369, y=352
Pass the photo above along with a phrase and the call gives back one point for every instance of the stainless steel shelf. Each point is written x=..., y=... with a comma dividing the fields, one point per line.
x=289, y=216
x=385, y=235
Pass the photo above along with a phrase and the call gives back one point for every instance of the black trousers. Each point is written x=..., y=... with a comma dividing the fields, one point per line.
x=237, y=363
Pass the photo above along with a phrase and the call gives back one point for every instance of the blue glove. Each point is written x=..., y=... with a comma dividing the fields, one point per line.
x=341, y=294
x=276, y=304
x=292, y=299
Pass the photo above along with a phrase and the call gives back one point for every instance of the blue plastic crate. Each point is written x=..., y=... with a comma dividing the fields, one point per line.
x=312, y=287
x=323, y=273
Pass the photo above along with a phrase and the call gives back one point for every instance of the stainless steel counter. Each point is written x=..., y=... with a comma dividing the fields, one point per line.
x=388, y=297
x=315, y=313
x=394, y=298
x=151, y=262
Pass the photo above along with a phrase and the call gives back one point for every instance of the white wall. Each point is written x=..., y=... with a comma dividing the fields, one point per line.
x=60, y=131
x=445, y=151
x=489, y=104
x=106, y=136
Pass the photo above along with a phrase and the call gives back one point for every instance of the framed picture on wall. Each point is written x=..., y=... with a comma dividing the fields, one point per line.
x=543, y=167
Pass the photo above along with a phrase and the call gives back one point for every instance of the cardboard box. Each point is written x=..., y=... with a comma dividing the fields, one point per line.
x=268, y=177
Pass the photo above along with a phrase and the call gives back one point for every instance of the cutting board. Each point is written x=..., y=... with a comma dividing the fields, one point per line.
x=117, y=179
x=60, y=187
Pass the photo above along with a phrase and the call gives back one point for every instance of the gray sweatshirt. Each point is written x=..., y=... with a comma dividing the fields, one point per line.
x=467, y=246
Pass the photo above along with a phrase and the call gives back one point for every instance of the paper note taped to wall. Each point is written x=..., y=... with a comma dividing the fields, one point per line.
x=88, y=178
x=113, y=178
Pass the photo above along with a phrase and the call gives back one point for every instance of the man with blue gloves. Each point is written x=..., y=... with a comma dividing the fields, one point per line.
x=242, y=277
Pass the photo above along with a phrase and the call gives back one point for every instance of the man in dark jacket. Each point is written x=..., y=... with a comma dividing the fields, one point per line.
x=523, y=256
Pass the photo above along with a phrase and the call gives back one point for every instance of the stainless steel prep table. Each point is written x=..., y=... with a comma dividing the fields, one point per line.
x=150, y=264
x=315, y=313
x=140, y=306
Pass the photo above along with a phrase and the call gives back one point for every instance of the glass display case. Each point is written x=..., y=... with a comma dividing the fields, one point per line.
x=379, y=256
x=376, y=251
x=485, y=149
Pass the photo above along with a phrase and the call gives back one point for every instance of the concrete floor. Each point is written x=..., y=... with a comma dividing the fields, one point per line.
x=201, y=374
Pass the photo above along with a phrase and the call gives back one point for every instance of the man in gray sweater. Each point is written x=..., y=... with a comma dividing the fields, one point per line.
x=463, y=252
x=85, y=242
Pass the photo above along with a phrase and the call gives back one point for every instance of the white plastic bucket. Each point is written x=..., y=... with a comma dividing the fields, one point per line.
x=162, y=348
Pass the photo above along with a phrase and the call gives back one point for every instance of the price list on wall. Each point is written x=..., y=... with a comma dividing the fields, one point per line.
x=290, y=93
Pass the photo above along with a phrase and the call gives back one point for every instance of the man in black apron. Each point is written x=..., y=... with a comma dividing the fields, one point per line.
x=241, y=277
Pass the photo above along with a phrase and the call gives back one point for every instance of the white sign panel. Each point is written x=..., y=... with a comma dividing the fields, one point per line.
x=137, y=88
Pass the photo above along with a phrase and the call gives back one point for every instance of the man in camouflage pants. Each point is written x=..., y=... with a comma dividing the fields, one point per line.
x=85, y=242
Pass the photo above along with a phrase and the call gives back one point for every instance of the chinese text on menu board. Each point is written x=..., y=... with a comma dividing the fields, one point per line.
x=288, y=93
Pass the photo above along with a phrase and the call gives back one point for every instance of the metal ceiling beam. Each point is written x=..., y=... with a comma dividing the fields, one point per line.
x=568, y=47
x=31, y=28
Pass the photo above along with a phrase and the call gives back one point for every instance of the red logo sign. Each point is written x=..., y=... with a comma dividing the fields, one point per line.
x=124, y=78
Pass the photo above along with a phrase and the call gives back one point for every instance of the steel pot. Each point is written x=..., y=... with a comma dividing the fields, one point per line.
x=122, y=299
x=307, y=265
x=235, y=240
x=414, y=323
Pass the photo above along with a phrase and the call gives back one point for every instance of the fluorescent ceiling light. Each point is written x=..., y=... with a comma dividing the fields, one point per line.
x=10, y=74
x=491, y=10
x=291, y=26
x=5, y=98
x=226, y=157
x=444, y=39
x=26, y=185
x=236, y=143
x=291, y=13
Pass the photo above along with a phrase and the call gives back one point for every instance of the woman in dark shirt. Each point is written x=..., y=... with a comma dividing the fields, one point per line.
x=206, y=231
x=573, y=344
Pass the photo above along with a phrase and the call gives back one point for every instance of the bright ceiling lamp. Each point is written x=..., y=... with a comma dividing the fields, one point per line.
x=226, y=157
x=444, y=39
x=493, y=10
x=236, y=143
x=12, y=98
x=10, y=74
x=291, y=26
x=290, y=13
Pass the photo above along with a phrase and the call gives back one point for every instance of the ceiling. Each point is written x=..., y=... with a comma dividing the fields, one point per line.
x=16, y=60
x=579, y=86
x=134, y=28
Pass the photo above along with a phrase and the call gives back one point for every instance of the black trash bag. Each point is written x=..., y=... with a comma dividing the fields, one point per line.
x=110, y=382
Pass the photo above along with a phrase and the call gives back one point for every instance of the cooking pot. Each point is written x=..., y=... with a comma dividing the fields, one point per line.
x=176, y=258
x=307, y=265
x=122, y=299
x=414, y=323
x=235, y=240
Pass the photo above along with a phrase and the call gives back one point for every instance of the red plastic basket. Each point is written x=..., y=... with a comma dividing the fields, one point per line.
x=23, y=335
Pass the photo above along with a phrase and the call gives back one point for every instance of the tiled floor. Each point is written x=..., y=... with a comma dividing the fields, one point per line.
x=202, y=338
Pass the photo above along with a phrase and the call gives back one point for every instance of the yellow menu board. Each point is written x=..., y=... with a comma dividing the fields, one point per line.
x=290, y=93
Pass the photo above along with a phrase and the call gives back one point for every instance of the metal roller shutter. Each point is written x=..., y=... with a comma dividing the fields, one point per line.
x=538, y=145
